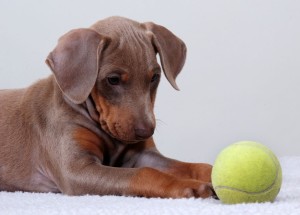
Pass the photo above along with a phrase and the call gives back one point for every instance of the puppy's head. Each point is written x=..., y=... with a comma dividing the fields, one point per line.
x=115, y=63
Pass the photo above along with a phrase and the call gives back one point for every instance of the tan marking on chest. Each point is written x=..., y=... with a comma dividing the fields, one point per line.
x=89, y=142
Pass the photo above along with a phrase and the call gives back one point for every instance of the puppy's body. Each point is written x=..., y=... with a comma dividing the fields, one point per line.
x=27, y=140
x=87, y=128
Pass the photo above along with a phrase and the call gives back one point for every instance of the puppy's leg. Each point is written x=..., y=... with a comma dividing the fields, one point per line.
x=82, y=172
x=97, y=179
x=150, y=157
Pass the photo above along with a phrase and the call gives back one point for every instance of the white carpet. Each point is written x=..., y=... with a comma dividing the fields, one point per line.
x=287, y=202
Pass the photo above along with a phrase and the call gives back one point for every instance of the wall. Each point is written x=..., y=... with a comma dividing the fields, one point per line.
x=241, y=80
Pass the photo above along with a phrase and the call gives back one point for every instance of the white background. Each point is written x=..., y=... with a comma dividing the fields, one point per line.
x=241, y=80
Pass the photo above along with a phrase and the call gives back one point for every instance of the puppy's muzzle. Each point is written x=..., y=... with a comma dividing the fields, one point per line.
x=143, y=131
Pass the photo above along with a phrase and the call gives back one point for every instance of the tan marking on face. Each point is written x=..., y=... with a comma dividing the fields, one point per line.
x=114, y=120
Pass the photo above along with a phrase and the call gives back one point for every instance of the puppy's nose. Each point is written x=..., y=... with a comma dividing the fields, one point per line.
x=143, y=132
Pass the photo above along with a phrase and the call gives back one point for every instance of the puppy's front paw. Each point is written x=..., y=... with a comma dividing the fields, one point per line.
x=190, y=189
x=201, y=171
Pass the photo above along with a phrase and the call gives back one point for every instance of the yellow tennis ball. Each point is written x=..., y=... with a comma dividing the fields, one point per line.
x=246, y=172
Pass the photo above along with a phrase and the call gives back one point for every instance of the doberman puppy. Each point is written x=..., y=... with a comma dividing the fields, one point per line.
x=87, y=128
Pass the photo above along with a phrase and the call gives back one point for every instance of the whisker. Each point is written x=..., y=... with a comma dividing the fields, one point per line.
x=159, y=121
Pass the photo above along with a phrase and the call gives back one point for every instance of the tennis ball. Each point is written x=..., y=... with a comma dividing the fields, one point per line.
x=246, y=172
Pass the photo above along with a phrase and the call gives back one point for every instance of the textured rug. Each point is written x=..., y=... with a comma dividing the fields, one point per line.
x=287, y=201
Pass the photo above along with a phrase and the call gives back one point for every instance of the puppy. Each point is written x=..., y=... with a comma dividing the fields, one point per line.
x=87, y=128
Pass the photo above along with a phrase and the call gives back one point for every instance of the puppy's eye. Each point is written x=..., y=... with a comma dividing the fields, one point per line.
x=155, y=77
x=113, y=80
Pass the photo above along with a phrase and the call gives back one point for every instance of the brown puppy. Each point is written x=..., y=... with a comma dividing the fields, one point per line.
x=87, y=129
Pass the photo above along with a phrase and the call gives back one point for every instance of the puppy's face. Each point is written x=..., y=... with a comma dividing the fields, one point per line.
x=114, y=61
x=125, y=89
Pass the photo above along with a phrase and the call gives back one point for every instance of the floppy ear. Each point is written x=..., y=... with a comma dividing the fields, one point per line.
x=74, y=62
x=171, y=49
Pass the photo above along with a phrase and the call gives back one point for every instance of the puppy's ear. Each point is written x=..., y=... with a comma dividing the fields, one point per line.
x=75, y=62
x=171, y=49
